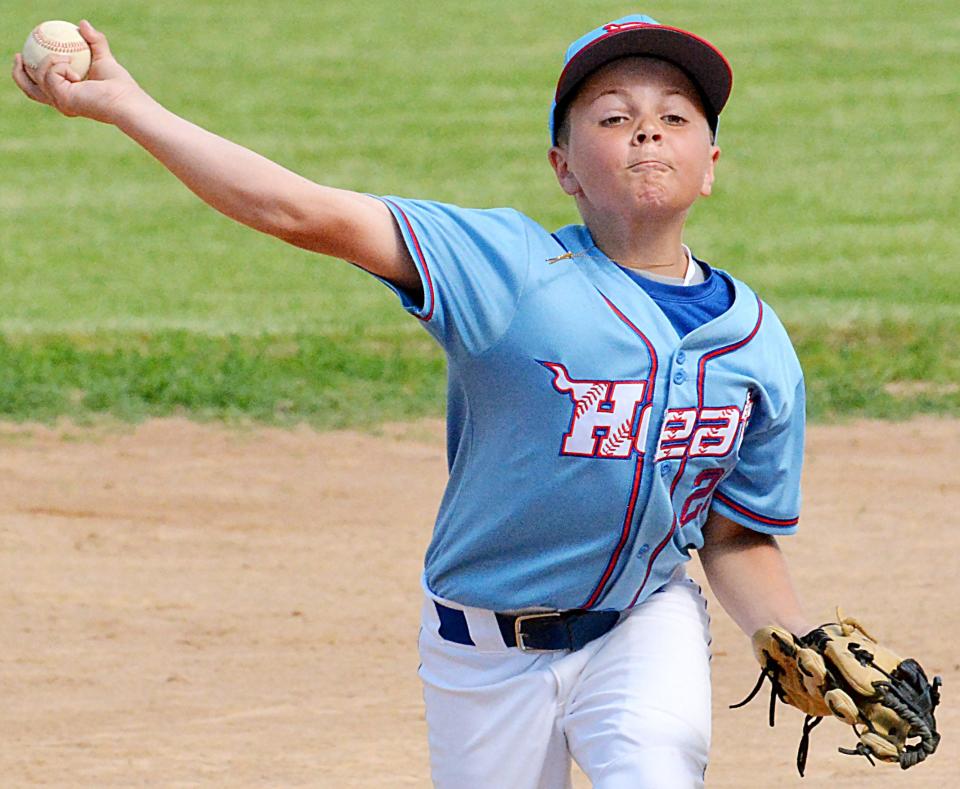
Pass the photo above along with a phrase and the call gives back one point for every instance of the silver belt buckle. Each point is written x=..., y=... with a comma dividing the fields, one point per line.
x=521, y=645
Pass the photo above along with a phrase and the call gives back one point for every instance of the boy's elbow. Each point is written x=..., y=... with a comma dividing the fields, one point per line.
x=313, y=230
x=333, y=222
x=720, y=534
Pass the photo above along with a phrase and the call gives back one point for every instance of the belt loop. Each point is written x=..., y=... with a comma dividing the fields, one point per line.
x=453, y=625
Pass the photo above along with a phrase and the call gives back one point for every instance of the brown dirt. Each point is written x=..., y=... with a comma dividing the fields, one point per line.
x=186, y=605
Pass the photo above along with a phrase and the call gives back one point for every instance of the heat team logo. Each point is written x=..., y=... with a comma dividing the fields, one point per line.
x=701, y=432
x=609, y=417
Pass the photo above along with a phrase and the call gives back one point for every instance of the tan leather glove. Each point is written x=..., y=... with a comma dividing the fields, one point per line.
x=839, y=670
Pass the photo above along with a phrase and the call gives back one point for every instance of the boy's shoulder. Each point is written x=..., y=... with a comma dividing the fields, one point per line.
x=745, y=293
x=773, y=342
x=760, y=325
x=481, y=222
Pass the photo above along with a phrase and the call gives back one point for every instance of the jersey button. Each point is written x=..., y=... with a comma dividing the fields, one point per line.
x=679, y=377
x=664, y=469
x=681, y=357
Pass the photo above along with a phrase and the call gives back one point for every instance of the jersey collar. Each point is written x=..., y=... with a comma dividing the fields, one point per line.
x=614, y=283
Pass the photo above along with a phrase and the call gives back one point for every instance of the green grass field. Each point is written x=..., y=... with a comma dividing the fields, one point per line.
x=121, y=294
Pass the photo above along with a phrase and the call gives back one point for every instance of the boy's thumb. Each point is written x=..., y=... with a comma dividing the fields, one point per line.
x=97, y=40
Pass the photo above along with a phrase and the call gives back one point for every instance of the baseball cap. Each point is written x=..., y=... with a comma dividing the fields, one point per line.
x=639, y=34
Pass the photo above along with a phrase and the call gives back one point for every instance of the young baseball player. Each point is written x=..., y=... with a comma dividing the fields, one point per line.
x=613, y=402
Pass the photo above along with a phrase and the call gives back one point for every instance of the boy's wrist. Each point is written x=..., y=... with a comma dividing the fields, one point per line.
x=130, y=111
x=800, y=627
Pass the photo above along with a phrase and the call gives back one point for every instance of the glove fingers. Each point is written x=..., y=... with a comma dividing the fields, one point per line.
x=800, y=672
x=882, y=749
x=814, y=670
x=842, y=706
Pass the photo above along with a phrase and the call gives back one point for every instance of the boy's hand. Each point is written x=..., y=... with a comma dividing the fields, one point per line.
x=106, y=93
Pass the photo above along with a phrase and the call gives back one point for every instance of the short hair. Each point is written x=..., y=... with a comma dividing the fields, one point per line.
x=563, y=128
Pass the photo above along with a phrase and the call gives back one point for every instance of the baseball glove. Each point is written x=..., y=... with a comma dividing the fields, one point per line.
x=839, y=669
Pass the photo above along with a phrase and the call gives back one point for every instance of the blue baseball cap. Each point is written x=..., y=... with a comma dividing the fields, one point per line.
x=639, y=34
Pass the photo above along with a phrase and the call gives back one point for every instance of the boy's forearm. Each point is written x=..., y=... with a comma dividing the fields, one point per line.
x=749, y=576
x=234, y=180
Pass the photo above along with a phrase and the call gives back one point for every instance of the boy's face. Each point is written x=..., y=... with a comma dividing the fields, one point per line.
x=638, y=146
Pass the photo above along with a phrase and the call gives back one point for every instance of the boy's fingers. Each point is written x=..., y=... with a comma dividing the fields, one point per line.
x=24, y=82
x=40, y=73
x=56, y=72
x=53, y=79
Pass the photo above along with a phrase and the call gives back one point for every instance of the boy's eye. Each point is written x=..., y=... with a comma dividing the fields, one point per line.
x=613, y=120
x=674, y=120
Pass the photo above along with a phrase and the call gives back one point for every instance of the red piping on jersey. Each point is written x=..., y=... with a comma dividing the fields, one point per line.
x=781, y=523
x=683, y=463
x=701, y=376
x=653, y=555
x=420, y=256
x=638, y=469
x=725, y=350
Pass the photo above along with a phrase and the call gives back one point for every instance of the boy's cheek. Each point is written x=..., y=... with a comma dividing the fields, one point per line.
x=707, y=186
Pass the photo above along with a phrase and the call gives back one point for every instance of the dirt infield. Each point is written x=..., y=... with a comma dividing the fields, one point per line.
x=186, y=605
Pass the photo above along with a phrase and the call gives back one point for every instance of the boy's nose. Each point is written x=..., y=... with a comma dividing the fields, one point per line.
x=643, y=136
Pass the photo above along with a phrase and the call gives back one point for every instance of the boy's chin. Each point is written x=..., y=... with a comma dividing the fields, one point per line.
x=659, y=203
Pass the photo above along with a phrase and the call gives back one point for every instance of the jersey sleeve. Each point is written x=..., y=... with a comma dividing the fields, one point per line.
x=472, y=264
x=763, y=490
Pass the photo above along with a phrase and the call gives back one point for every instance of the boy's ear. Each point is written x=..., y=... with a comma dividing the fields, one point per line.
x=567, y=180
x=707, y=186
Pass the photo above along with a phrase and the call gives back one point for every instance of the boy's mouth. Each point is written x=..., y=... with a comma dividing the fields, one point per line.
x=649, y=164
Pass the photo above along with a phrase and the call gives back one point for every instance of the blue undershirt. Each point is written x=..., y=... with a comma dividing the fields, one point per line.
x=688, y=307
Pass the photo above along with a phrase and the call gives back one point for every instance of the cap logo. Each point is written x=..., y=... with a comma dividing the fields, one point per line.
x=615, y=27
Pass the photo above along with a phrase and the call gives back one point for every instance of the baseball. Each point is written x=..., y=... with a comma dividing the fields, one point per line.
x=56, y=38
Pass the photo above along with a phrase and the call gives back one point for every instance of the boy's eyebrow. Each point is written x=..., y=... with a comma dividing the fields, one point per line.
x=608, y=92
x=620, y=92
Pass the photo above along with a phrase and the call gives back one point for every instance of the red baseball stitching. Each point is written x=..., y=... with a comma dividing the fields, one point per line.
x=614, y=441
x=60, y=47
x=593, y=396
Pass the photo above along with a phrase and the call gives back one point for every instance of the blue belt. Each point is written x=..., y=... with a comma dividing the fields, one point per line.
x=546, y=631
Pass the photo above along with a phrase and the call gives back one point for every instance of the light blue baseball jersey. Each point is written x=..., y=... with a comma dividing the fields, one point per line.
x=586, y=441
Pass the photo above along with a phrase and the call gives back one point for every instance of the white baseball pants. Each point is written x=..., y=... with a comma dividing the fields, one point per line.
x=632, y=707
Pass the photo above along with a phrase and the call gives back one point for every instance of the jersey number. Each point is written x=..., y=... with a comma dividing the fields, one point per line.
x=699, y=499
